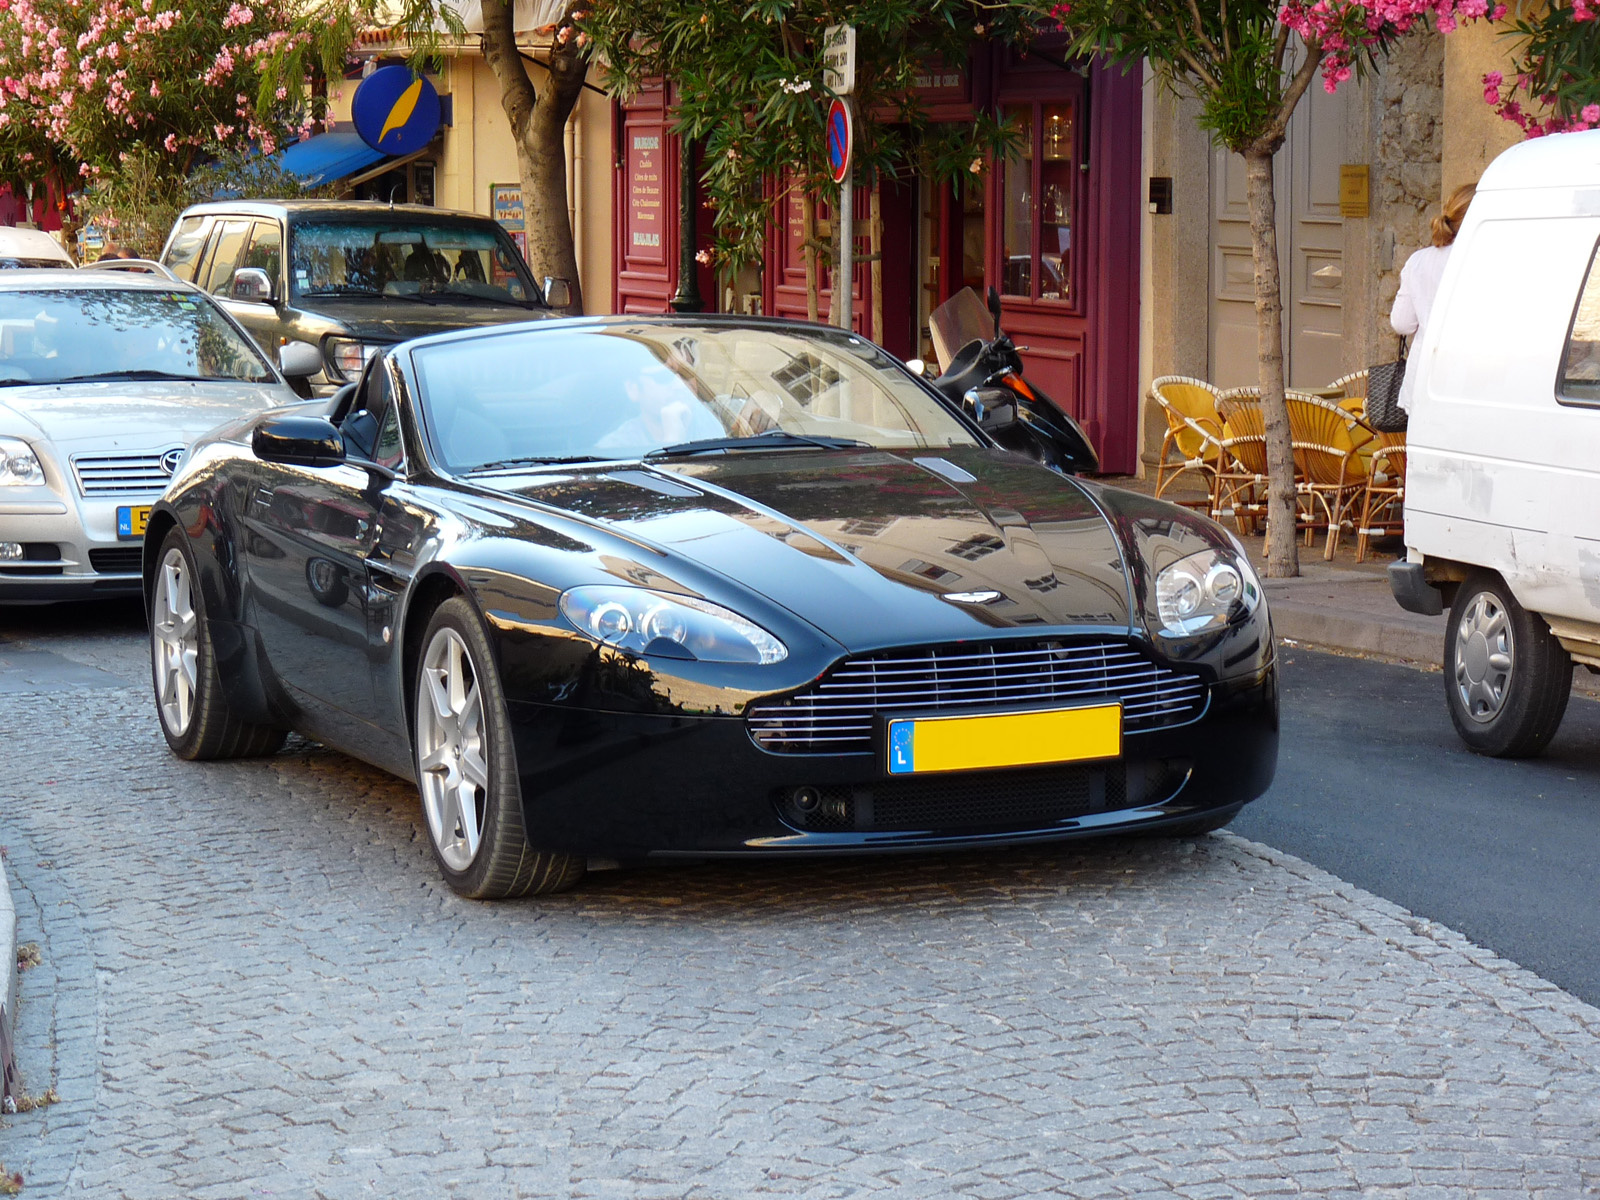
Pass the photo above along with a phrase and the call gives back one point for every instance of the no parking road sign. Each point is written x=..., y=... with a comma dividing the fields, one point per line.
x=839, y=140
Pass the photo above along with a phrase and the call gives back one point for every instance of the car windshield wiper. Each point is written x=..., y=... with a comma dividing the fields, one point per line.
x=539, y=461
x=342, y=290
x=773, y=439
x=135, y=374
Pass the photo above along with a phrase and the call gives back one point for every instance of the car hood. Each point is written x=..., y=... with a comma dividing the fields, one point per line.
x=130, y=416
x=397, y=320
x=873, y=548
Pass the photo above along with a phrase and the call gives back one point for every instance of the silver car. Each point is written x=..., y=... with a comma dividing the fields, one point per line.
x=105, y=379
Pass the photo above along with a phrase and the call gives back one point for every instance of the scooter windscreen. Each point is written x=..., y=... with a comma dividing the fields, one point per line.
x=956, y=324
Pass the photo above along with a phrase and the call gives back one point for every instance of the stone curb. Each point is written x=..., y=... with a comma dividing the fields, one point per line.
x=1402, y=636
x=8, y=949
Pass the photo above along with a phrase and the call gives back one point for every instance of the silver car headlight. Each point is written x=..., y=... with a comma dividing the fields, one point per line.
x=1205, y=591
x=19, y=465
x=648, y=622
x=349, y=356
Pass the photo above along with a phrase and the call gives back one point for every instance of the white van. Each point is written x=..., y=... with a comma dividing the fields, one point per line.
x=1502, y=500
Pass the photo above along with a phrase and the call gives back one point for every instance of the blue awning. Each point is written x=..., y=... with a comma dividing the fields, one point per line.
x=329, y=156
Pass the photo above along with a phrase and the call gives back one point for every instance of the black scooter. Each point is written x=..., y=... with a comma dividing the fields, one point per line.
x=985, y=377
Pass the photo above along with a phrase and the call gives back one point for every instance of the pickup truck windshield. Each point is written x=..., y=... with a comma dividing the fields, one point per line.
x=453, y=263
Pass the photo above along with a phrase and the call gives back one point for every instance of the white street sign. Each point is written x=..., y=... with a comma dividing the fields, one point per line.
x=839, y=59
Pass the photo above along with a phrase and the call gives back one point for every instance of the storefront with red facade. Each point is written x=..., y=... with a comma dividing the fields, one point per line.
x=1055, y=227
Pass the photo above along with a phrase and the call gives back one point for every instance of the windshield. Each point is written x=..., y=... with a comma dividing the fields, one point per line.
x=960, y=320
x=12, y=263
x=630, y=391
x=370, y=258
x=57, y=335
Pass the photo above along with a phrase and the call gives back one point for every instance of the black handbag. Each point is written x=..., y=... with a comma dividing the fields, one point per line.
x=1383, y=394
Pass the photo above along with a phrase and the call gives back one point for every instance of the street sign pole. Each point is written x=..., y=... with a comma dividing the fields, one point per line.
x=844, y=281
x=839, y=61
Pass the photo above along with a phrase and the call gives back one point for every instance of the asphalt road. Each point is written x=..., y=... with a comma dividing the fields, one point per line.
x=1374, y=786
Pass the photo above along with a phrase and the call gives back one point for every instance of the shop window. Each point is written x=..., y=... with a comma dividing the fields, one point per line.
x=1039, y=199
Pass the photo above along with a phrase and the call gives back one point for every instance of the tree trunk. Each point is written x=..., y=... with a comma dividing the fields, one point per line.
x=1283, y=559
x=808, y=238
x=538, y=124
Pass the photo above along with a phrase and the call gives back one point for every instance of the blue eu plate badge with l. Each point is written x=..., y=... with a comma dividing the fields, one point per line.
x=901, y=757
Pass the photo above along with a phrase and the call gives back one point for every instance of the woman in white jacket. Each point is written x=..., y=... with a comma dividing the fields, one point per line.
x=1419, y=278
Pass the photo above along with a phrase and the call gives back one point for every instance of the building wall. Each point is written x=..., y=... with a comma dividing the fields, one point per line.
x=1395, y=123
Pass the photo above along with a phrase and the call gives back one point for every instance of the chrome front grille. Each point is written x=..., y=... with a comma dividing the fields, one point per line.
x=120, y=474
x=836, y=714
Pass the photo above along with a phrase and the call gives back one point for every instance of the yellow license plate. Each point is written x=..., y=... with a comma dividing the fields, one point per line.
x=132, y=520
x=917, y=745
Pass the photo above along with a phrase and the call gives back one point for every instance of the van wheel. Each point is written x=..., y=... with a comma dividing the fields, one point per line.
x=1506, y=678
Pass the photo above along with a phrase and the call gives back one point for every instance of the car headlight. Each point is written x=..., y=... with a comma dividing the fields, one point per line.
x=647, y=622
x=349, y=355
x=19, y=465
x=1205, y=591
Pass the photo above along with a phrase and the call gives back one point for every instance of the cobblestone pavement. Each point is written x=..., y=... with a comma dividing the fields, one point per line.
x=254, y=983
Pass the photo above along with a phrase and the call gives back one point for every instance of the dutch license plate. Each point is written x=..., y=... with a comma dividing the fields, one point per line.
x=918, y=745
x=132, y=520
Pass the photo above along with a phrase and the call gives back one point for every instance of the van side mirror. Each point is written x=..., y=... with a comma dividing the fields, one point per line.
x=557, y=292
x=299, y=360
x=298, y=441
x=251, y=284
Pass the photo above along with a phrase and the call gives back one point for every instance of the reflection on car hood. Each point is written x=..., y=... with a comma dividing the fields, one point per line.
x=130, y=415
x=873, y=548
x=395, y=319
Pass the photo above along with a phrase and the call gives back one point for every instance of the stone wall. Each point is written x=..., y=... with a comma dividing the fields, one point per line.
x=1404, y=117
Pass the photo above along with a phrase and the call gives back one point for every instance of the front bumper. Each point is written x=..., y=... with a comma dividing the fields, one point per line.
x=73, y=549
x=632, y=786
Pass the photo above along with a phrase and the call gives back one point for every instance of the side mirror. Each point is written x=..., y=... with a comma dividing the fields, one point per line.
x=991, y=407
x=252, y=284
x=298, y=441
x=917, y=367
x=994, y=308
x=299, y=360
x=557, y=292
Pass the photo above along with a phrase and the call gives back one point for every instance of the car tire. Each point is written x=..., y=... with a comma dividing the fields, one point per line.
x=1507, y=679
x=467, y=770
x=190, y=702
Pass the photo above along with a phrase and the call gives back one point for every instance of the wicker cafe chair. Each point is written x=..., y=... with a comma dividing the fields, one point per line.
x=1383, y=501
x=1194, y=433
x=1242, y=479
x=1330, y=473
x=1350, y=387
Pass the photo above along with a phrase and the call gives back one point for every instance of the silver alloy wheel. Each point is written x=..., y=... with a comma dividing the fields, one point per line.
x=1484, y=659
x=451, y=751
x=175, y=643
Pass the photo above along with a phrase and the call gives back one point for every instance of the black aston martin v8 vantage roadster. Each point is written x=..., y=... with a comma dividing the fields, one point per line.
x=626, y=587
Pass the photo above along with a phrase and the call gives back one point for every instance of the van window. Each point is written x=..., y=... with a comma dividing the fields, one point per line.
x=185, y=249
x=225, y=257
x=1580, y=363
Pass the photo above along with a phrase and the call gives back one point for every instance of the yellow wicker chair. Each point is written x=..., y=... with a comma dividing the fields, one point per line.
x=1242, y=479
x=1330, y=474
x=1383, y=501
x=1194, y=435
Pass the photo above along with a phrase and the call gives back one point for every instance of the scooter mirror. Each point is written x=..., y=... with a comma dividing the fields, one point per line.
x=994, y=308
x=993, y=408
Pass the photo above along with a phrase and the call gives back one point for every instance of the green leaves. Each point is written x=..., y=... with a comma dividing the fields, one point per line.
x=748, y=82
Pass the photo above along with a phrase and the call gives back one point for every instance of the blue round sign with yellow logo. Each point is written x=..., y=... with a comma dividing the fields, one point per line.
x=395, y=111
